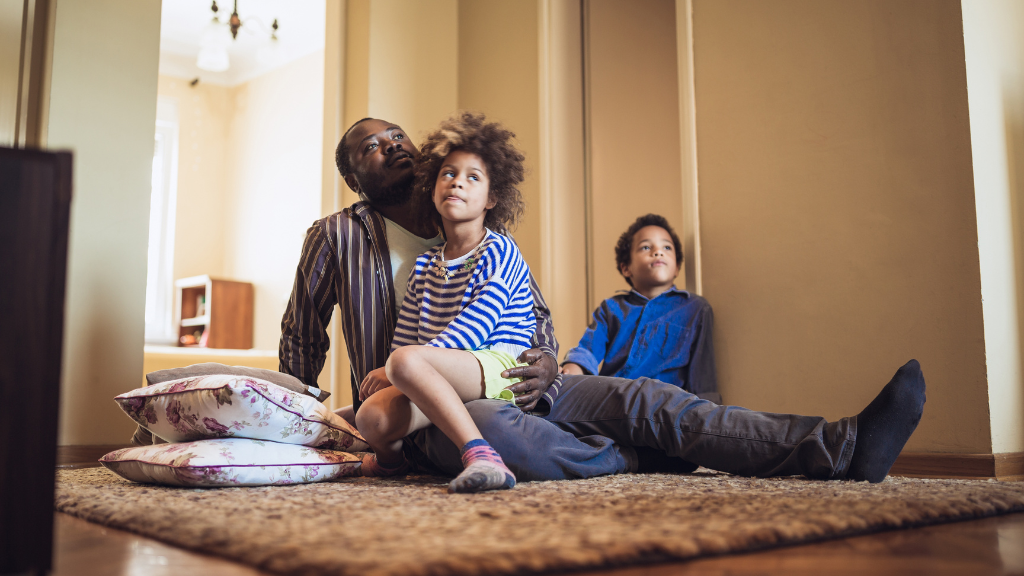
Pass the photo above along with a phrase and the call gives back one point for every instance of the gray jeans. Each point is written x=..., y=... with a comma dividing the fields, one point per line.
x=601, y=425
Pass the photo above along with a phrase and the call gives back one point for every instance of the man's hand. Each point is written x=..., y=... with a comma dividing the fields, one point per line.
x=572, y=368
x=537, y=378
x=374, y=382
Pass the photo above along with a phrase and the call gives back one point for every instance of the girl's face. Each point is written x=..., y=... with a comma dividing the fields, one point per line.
x=461, y=191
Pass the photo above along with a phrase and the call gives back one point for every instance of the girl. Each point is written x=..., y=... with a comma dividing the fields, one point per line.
x=468, y=310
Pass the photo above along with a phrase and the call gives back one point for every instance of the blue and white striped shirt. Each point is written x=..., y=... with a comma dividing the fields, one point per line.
x=485, y=303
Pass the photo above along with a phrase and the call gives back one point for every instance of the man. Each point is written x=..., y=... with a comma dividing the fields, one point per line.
x=565, y=426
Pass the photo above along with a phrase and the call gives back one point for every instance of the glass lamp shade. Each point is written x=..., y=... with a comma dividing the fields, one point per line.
x=216, y=35
x=213, y=51
x=213, y=59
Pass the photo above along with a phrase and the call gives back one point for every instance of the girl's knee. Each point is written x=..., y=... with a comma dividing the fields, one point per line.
x=371, y=421
x=399, y=366
x=382, y=421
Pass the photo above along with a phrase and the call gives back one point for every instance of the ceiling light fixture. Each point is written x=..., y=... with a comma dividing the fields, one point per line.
x=213, y=48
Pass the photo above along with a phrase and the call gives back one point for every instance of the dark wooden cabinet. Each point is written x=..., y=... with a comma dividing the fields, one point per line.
x=216, y=313
x=35, y=199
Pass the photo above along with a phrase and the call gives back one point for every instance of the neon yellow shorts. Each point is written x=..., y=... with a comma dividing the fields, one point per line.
x=494, y=363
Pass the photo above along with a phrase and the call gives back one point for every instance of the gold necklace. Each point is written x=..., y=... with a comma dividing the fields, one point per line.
x=444, y=272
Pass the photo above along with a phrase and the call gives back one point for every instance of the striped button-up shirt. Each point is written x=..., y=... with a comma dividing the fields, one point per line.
x=345, y=261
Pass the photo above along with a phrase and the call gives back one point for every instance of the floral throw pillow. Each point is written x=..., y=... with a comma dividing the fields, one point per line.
x=225, y=406
x=229, y=462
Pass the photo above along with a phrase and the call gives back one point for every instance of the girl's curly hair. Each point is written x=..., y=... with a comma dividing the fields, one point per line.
x=503, y=162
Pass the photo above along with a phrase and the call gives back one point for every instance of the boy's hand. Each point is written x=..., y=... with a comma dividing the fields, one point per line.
x=572, y=368
x=374, y=382
x=537, y=378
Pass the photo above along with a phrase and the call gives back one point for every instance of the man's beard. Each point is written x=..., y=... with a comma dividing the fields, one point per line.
x=380, y=195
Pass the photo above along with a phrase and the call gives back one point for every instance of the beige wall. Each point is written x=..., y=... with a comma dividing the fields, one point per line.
x=561, y=173
x=11, y=12
x=103, y=107
x=837, y=208
x=273, y=184
x=498, y=76
x=26, y=33
x=249, y=181
x=994, y=46
x=690, y=232
x=398, y=67
x=413, y=63
x=633, y=127
x=200, y=218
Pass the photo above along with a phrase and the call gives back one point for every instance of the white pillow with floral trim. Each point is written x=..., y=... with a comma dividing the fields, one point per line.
x=225, y=406
x=229, y=462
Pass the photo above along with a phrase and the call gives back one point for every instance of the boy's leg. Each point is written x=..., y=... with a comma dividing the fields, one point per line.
x=646, y=412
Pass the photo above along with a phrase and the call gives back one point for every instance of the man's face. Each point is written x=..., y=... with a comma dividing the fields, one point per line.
x=382, y=159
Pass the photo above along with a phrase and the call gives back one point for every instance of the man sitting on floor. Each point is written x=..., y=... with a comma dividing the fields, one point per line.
x=566, y=426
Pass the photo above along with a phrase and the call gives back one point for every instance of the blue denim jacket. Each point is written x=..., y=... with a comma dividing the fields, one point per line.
x=667, y=338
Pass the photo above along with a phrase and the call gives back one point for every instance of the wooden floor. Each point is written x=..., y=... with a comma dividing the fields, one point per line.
x=978, y=547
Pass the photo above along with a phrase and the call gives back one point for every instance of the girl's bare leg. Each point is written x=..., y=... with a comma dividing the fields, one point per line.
x=384, y=419
x=439, y=381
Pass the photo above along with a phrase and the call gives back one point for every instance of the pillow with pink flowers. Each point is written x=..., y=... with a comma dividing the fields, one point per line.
x=225, y=406
x=229, y=462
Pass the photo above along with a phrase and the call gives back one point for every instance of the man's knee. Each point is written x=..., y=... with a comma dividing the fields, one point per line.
x=603, y=390
x=584, y=398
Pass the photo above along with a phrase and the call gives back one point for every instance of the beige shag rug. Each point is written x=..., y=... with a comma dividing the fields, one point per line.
x=412, y=526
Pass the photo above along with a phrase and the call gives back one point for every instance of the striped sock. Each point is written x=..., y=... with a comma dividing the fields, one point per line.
x=484, y=469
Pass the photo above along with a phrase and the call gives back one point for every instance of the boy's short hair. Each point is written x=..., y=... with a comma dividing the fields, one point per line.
x=503, y=162
x=624, y=247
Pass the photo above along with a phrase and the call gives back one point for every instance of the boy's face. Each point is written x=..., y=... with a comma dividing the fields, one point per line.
x=461, y=192
x=652, y=261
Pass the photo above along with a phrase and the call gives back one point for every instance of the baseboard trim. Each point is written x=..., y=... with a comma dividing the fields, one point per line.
x=84, y=455
x=1010, y=466
x=1005, y=466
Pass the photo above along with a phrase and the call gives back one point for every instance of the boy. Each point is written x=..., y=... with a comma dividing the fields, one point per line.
x=655, y=329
